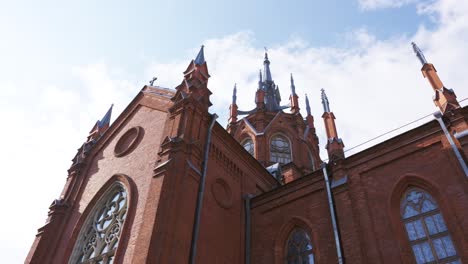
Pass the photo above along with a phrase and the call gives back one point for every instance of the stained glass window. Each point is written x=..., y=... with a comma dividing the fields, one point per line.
x=299, y=248
x=248, y=145
x=280, y=150
x=99, y=236
x=426, y=229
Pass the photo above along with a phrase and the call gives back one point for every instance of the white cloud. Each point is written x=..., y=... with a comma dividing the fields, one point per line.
x=373, y=85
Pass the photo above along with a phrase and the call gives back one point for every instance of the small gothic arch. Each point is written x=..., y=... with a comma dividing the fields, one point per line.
x=299, y=247
x=248, y=145
x=294, y=232
x=280, y=147
x=418, y=215
x=311, y=159
x=109, y=216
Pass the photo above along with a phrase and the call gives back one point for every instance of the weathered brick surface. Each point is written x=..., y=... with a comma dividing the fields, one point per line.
x=162, y=175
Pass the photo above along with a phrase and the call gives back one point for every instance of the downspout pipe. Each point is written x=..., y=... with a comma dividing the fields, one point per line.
x=438, y=117
x=247, y=227
x=333, y=215
x=201, y=191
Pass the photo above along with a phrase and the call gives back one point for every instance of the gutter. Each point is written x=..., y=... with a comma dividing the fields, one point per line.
x=333, y=215
x=201, y=191
x=247, y=227
x=438, y=117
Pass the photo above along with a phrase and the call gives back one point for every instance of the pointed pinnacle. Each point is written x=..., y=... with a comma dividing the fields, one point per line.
x=200, y=59
x=307, y=105
x=266, y=69
x=325, y=103
x=293, y=87
x=419, y=53
x=106, y=118
x=234, y=94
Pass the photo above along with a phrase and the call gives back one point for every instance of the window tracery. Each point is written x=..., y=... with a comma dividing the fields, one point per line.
x=99, y=236
x=280, y=150
x=426, y=229
x=299, y=248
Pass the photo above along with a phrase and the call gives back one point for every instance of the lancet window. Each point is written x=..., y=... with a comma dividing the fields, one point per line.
x=248, y=145
x=299, y=248
x=100, y=234
x=280, y=150
x=426, y=229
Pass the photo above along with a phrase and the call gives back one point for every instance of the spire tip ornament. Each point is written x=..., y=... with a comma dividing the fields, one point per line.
x=200, y=59
x=419, y=53
x=234, y=94
x=325, y=102
x=307, y=105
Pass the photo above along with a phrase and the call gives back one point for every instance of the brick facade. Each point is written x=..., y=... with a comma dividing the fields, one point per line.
x=156, y=149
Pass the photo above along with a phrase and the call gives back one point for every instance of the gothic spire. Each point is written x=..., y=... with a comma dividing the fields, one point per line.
x=444, y=98
x=293, y=87
x=266, y=69
x=307, y=105
x=234, y=94
x=260, y=81
x=105, y=121
x=419, y=53
x=200, y=59
x=325, y=103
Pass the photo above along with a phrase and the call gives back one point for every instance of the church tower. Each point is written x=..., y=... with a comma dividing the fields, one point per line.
x=284, y=142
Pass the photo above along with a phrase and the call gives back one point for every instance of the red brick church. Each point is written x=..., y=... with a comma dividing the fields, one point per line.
x=166, y=183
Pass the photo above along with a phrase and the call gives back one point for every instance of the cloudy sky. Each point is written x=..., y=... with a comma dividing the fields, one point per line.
x=63, y=63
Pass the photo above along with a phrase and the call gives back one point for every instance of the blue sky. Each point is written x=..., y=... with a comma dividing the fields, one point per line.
x=38, y=36
x=62, y=63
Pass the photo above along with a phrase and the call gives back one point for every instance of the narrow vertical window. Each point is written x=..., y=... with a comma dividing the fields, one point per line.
x=299, y=248
x=311, y=158
x=280, y=150
x=426, y=229
x=248, y=145
x=100, y=234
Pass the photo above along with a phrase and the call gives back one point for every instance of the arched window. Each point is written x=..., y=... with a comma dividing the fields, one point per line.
x=99, y=236
x=299, y=248
x=426, y=229
x=311, y=158
x=280, y=150
x=248, y=145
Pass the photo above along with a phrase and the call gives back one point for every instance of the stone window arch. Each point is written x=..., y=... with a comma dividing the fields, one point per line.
x=299, y=248
x=248, y=145
x=426, y=229
x=100, y=234
x=280, y=149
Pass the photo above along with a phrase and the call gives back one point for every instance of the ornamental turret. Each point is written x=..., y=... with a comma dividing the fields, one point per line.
x=334, y=145
x=444, y=98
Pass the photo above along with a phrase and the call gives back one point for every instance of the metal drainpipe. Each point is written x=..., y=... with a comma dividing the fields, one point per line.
x=438, y=116
x=201, y=190
x=247, y=227
x=333, y=215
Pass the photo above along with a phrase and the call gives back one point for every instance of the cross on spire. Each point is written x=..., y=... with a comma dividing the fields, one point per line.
x=153, y=80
